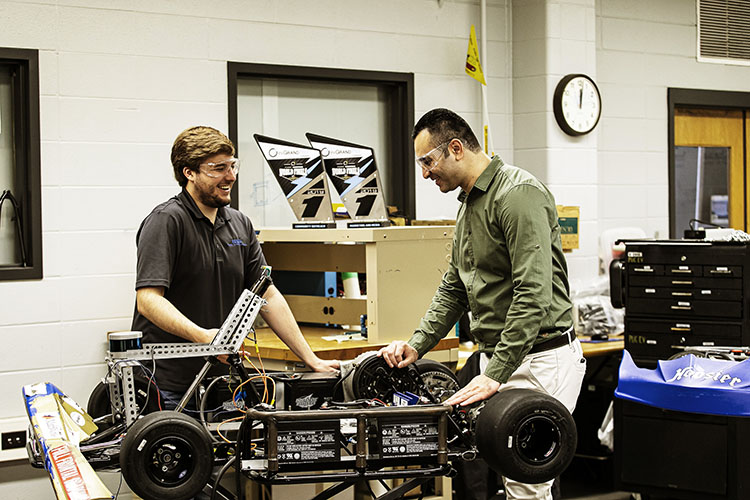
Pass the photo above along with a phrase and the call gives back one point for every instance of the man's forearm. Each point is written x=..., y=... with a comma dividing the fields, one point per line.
x=161, y=312
x=279, y=317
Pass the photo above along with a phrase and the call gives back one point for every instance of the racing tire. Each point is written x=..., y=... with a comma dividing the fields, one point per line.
x=166, y=456
x=100, y=405
x=440, y=381
x=526, y=435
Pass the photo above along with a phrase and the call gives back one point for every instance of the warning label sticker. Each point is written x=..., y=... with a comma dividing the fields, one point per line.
x=409, y=439
x=302, y=446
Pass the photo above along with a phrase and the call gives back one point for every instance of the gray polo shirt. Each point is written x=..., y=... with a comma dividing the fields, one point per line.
x=204, y=268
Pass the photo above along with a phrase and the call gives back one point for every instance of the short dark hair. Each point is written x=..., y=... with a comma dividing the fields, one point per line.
x=193, y=146
x=444, y=125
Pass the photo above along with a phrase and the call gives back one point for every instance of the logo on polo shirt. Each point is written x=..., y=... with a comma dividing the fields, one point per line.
x=236, y=243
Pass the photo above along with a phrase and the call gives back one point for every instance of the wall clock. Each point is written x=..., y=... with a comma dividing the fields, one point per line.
x=577, y=104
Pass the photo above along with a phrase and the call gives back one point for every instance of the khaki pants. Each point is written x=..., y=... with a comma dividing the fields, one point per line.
x=558, y=372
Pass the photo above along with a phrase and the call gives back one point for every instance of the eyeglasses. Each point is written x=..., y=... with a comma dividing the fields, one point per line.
x=427, y=162
x=221, y=169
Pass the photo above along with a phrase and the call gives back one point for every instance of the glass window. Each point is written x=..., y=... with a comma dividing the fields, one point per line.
x=701, y=186
x=374, y=109
x=20, y=190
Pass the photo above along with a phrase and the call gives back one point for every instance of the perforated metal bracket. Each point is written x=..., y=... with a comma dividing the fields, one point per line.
x=122, y=390
x=228, y=340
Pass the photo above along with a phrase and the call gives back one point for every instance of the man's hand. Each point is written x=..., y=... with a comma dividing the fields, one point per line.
x=326, y=365
x=208, y=337
x=481, y=387
x=399, y=354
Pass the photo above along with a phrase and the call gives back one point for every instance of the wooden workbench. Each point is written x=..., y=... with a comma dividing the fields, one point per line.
x=591, y=349
x=277, y=356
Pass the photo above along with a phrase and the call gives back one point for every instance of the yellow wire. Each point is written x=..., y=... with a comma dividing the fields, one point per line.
x=265, y=386
x=234, y=395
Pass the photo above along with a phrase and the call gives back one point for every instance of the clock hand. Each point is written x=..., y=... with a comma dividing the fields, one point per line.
x=580, y=98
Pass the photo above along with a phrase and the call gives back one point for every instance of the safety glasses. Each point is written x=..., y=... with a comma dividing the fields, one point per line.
x=221, y=169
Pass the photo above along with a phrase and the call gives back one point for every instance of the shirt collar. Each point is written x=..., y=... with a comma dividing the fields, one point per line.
x=485, y=178
x=192, y=207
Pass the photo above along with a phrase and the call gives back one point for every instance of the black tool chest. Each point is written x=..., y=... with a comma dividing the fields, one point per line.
x=683, y=293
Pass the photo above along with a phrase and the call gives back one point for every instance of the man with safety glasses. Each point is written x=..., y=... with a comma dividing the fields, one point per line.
x=195, y=257
x=507, y=268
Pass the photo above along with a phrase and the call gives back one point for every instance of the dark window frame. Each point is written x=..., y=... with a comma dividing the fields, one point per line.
x=400, y=175
x=27, y=189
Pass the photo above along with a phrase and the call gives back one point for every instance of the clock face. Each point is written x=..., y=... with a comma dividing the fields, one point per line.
x=577, y=104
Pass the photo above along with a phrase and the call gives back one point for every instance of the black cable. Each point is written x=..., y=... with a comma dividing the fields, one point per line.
x=202, y=407
x=341, y=381
x=693, y=221
x=117, y=494
x=221, y=473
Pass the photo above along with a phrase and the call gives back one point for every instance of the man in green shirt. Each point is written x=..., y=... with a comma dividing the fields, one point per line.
x=507, y=268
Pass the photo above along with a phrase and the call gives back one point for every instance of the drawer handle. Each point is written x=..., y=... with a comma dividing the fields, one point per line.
x=679, y=329
x=720, y=271
x=682, y=294
x=643, y=270
x=674, y=282
x=682, y=308
x=683, y=271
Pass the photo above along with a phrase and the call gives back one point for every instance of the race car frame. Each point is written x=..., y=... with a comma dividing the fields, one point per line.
x=369, y=421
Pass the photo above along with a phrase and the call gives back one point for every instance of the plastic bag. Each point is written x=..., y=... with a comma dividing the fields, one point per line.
x=593, y=314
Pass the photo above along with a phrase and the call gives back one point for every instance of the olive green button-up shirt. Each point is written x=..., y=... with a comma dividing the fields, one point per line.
x=507, y=267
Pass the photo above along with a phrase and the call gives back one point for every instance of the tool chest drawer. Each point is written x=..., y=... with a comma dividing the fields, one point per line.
x=651, y=340
x=686, y=307
x=696, y=293
x=685, y=282
x=723, y=331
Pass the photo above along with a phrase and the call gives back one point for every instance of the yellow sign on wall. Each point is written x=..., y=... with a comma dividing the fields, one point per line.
x=568, y=217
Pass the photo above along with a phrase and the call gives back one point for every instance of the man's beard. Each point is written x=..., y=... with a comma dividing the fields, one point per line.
x=210, y=200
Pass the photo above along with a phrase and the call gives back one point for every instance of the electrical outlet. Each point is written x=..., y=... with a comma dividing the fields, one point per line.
x=13, y=440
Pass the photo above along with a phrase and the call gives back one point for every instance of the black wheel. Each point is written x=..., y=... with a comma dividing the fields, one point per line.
x=526, y=435
x=99, y=406
x=440, y=382
x=166, y=456
x=373, y=378
x=99, y=403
